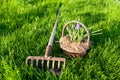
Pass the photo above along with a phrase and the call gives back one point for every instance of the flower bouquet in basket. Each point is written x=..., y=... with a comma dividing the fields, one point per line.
x=75, y=40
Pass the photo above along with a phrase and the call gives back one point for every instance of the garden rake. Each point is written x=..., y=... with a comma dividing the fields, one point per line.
x=48, y=61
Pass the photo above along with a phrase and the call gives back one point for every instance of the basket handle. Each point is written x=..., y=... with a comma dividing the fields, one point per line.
x=85, y=28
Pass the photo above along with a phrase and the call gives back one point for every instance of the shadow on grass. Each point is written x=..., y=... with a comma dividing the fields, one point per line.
x=109, y=34
x=16, y=21
x=93, y=18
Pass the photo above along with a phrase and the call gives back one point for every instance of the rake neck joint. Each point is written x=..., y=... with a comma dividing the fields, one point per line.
x=48, y=50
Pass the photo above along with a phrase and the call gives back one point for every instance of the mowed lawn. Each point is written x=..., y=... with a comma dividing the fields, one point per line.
x=25, y=28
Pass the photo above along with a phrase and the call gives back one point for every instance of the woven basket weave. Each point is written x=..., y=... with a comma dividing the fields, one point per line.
x=74, y=49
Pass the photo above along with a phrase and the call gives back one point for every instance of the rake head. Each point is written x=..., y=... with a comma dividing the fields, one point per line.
x=46, y=62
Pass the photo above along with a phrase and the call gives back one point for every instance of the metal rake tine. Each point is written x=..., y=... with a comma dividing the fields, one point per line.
x=26, y=62
x=58, y=64
x=48, y=63
x=32, y=62
x=42, y=63
x=53, y=64
x=37, y=63
x=28, y=58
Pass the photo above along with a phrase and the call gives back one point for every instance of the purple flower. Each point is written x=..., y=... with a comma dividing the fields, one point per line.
x=78, y=26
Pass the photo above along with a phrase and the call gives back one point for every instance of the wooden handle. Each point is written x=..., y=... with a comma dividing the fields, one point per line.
x=48, y=50
x=85, y=28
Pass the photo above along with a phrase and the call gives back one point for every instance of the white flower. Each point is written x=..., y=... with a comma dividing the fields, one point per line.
x=67, y=28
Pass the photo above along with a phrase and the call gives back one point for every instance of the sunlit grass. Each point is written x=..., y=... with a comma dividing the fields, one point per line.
x=25, y=28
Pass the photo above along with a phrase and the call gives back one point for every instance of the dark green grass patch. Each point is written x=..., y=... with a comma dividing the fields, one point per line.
x=25, y=28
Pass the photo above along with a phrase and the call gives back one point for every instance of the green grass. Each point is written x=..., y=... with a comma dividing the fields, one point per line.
x=25, y=28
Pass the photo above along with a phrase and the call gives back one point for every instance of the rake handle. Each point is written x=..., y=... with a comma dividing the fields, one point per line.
x=48, y=50
x=54, y=30
x=49, y=46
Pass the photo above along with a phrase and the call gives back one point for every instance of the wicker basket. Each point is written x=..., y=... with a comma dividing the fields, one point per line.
x=74, y=49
